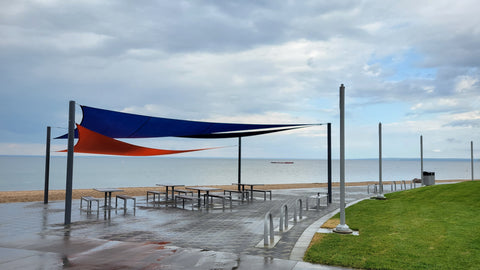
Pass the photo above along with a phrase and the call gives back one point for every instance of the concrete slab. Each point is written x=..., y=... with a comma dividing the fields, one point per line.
x=154, y=236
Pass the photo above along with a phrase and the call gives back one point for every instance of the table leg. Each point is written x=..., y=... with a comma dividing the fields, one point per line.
x=251, y=191
x=167, y=192
x=199, y=199
x=105, y=200
x=109, y=200
x=173, y=192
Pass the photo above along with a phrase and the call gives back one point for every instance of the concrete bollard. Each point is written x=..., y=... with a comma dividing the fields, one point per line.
x=297, y=202
x=268, y=229
x=283, y=217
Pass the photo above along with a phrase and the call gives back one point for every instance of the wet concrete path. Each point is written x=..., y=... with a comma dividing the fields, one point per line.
x=157, y=236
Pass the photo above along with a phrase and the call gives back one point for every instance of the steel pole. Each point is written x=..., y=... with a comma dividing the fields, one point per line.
x=342, y=227
x=471, y=157
x=329, y=161
x=380, y=183
x=421, y=159
x=47, y=166
x=239, y=162
x=68, y=188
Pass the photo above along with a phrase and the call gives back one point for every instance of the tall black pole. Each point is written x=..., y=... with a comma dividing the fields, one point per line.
x=47, y=166
x=239, y=162
x=329, y=161
x=68, y=189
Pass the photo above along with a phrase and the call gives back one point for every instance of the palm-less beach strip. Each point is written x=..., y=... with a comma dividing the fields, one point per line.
x=55, y=195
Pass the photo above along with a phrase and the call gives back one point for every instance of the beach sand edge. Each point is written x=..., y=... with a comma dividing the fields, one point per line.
x=57, y=195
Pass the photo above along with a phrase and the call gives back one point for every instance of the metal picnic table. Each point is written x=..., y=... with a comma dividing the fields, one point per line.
x=206, y=190
x=172, y=186
x=251, y=187
x=108, y=193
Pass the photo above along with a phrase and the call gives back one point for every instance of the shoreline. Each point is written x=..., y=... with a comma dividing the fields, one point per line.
x=59, y=195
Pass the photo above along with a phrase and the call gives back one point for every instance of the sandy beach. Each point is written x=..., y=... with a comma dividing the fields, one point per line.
x=56, y=195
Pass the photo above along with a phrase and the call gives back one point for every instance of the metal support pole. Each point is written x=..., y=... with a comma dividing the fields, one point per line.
x=329, y=161
x=380, y=183
x=47, y=166
x=342, y=227
x=421, y=159
x=471, y=157
x=239, y=163
x=68, y=188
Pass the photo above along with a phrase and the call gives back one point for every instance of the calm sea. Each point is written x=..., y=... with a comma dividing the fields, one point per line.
x=28, y=173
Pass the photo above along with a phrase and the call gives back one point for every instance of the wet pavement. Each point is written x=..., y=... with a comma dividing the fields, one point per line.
x=161, y=236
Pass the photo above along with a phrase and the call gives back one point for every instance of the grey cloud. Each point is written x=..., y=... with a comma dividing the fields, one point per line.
x=103, y=73
x=470, y=123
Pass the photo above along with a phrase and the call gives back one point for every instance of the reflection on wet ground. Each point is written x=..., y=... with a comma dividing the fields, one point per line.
x=156, y=235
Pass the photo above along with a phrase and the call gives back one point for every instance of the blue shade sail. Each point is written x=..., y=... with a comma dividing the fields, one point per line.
x=125, y=125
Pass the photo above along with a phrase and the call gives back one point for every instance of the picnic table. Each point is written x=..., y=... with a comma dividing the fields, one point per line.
x=172, y=186
x=204, y=189
x=108, y=194
x=251, y=187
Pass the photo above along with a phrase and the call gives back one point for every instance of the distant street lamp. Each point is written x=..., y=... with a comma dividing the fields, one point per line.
x=380, y=194
x=342, y=227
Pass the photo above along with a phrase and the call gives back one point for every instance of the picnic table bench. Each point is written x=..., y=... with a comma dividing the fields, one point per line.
x=221, y=196
x=89, y=200
x=188, y=198
x=244, y=193
x=155, y=193
x=125, y=198
x=265, y=191
x=184, y=191
x=251, y=190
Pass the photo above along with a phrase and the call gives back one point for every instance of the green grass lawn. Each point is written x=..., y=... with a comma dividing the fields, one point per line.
x=435, y=227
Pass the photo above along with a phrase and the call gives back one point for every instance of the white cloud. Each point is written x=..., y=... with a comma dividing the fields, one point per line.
x=28, y=149
x=245, y=62
x=465, y=83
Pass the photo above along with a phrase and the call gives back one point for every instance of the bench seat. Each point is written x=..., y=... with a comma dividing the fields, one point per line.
x=188, y=198
x=89, y=200
x=155, y=193
x=245, y=194
x=184, y=191
x=265, y=191
x=125, y=198
x=220, y=196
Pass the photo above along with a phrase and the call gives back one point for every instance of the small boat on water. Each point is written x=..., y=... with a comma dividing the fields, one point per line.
x=281, y=162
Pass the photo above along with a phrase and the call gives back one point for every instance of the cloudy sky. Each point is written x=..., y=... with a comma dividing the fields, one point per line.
x=412, y=65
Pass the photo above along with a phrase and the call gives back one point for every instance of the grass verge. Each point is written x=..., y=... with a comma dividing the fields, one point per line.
x=435, y=227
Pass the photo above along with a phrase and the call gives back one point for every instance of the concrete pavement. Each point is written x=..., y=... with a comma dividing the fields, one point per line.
x=160, y=236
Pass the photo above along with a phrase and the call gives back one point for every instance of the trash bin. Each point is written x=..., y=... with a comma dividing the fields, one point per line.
x=428, y=178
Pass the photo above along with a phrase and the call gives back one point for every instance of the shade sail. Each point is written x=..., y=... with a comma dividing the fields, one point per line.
x=94, y=143
x=125, y=125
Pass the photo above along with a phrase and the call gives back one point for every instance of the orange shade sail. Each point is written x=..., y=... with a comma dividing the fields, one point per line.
x=95, y=143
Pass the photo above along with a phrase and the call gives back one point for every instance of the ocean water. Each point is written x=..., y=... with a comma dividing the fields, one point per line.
x=28, y=172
